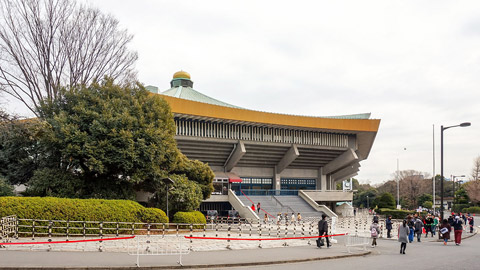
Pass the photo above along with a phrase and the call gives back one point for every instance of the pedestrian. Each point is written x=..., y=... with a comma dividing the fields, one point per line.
x=428, y=225
x=355, y=212
x=457, y=230
x=435, y=224
x=470, y=222
x=279, y=218
x=388, y=226
x=410, y=224
x=374, y=232
x=418, y=228
x=293, y=218
x=445, y=230
x=258, y=207
x=253, y=207
x=403, y=232
x=299, y=217
x=265, y=218
x=286, y=218
x=323, y=231
x=375, y=218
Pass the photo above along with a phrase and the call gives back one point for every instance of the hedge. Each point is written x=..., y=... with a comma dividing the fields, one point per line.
x=473, y=209
x=49, y=208
x=193, y=217
x=458, y=207
x=395, y=213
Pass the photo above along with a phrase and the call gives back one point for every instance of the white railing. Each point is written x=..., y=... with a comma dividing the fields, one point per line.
x=356, y=241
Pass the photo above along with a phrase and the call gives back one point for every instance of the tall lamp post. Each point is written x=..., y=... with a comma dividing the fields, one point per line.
x=167, y=181
x=453, y=180
x=368, y=206
x=466, y=124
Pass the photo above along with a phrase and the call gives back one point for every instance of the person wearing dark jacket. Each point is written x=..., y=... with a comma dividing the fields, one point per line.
x=457, y=230
x=323, y=230
x=428, y=225
x=470, y=222
x=445, y=230
x=418, y=228
x=388, y=226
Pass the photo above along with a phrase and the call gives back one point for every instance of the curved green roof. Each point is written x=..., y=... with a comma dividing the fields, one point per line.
x=185, y=92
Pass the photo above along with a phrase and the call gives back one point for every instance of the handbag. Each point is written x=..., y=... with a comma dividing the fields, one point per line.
x=320, y=242
x=444, y=230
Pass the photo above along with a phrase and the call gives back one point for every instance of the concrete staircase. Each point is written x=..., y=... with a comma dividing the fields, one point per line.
x=299, y=205
x=281, y=204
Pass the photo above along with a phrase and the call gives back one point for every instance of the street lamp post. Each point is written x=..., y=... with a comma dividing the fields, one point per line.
x=368, y=206
x=167, y=181
x=466, y=124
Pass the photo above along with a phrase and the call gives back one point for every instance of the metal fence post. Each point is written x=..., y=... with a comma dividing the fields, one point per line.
x=191, y=235
x=117, y=228
x=84, y=230
x=49, y=231
x=68, y=228
x=33, y=229
x=228, y=239
x=260, y=234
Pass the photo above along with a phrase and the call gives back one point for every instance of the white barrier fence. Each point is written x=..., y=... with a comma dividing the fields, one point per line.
x=157, y=245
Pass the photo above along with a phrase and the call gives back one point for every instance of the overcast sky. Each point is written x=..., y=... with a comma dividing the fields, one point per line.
x=412, y=64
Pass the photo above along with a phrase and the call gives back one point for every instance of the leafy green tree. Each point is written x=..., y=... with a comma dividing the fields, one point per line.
x=20, y=152
x=425, y=197
x=428, y=204
x=197, y=171
x=386, y=200
x=111, y=137
x=183, y=195
x=5, y=188
x=361, y=198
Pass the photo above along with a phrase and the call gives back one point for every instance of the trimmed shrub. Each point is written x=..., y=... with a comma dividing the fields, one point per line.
x=193, y=217
x=395, y=213
x=49, y=208
x=458, y=207
x=473, y=209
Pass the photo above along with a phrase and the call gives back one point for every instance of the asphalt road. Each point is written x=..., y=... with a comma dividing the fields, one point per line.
x=386, y=256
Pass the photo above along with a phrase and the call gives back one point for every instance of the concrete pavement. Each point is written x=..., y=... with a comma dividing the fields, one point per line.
x=203, y=259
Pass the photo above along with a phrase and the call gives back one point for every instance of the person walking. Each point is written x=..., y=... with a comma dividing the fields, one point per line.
x=322, y=231
x=374, y=232
x=445, y=230
x=388, y=226
x=403, y=232
x=435, y=224
x=265, y=218
x=293, y=218
x=410, y=224
x=457, y=230
x=418, y=228
x=258, y=207
x=470, y=222
x=428, y=225
x=299, y=217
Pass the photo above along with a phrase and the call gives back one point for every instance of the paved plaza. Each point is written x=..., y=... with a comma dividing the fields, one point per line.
x=166, y=252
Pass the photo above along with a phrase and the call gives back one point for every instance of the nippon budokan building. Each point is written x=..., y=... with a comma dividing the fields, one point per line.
x=288, y=163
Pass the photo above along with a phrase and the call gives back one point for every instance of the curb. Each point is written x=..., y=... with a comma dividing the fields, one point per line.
x=192, y=266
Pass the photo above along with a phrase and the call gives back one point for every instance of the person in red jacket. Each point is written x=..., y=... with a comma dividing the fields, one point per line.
x=253, y=207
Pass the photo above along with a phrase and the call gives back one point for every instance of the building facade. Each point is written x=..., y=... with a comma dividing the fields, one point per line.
x=257, y=151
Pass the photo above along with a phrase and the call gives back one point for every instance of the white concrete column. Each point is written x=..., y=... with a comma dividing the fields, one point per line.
x=276, y=179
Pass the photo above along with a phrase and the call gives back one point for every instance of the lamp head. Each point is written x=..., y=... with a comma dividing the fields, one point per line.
x=466, y=124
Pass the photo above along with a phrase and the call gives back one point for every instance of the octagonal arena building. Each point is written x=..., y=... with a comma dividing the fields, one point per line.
x=288, y=163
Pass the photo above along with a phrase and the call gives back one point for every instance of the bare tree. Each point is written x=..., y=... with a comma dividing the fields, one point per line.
x=49, y=44
x=473, y=191
x=412, y=185
x=476, y=169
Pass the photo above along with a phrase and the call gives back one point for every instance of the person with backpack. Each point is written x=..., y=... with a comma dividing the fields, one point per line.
x=374, y=232
x=322, y=231
x=457, y=230
x=403, y=232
